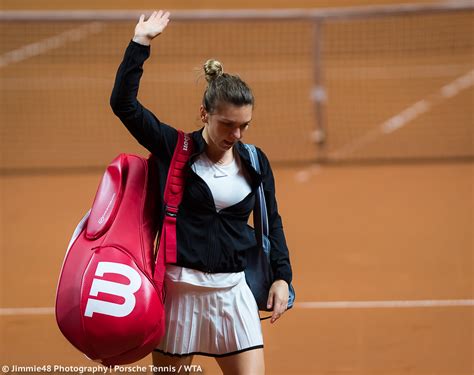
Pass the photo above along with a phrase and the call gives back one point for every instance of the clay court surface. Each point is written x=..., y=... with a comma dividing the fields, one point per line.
x=381, y=243
x=372, y=233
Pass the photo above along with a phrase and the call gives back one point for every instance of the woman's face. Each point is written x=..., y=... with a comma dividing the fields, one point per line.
x=227, y=124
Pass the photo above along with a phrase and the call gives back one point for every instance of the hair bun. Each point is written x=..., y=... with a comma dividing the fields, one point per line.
x=212, y=70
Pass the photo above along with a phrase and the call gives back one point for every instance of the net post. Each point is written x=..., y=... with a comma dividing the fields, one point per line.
x=318, y=92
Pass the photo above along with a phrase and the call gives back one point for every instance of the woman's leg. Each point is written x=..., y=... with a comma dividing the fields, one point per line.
x=250, y=362
x=167, y=364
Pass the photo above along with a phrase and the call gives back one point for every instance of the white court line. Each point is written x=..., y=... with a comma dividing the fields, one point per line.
x=396, y=122
x=13, y=311
x=383, y=304
x=54, y=42
x=409, y=114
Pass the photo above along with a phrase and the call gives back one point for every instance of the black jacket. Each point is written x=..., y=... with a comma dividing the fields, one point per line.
x=208, y=240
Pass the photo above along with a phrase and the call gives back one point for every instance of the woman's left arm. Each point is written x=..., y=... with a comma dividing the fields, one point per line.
x=279, y=256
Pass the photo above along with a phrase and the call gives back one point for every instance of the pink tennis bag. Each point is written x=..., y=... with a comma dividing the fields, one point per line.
x=109, y=301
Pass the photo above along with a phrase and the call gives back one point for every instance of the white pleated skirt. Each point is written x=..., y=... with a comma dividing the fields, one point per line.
x=209, y=314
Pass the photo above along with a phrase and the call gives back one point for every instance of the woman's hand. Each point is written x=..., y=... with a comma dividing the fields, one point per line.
x=278, y=299
x=145, y=31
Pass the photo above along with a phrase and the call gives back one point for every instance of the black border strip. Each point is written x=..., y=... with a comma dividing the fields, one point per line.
x=208, y=354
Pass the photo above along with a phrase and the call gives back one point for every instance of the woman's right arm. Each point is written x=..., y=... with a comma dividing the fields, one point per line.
x=157, y=137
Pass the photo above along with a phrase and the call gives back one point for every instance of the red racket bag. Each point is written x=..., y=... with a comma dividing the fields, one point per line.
x=109, y=301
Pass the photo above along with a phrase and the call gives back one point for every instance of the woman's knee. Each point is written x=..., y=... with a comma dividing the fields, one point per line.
x=250, y=362
x=166, y=364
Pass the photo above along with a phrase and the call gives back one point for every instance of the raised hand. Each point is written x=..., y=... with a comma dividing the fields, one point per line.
x=145, y=31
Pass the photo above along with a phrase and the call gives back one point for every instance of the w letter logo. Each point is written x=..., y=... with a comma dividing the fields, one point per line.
x=126, y=291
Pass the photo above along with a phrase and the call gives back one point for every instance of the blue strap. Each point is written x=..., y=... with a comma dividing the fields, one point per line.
x=261, y=227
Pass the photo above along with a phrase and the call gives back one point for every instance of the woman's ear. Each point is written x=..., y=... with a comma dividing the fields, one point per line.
x=203, y=113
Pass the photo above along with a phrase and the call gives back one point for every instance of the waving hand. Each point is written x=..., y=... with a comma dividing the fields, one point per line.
x=145, y=31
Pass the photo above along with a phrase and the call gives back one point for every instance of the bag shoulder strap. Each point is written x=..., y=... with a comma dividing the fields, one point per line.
x=173, y=195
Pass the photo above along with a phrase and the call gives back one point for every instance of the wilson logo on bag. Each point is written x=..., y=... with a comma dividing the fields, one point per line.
x=125, y=291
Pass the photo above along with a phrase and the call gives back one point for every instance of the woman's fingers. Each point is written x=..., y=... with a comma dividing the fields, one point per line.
x=154, y=25
x=276, y=315
x=270, y=299
x=278, y=299
x=164, y=18
x=159, y=20
x=159, y=16
x=280, y=308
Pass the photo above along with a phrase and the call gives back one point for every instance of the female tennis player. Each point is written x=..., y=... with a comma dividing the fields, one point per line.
x=210, y=310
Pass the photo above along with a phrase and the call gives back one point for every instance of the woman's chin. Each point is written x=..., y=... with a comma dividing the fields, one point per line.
x=227, y=145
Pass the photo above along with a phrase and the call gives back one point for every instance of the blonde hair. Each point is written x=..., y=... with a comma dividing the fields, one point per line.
x=212, y=70
x=224, y=88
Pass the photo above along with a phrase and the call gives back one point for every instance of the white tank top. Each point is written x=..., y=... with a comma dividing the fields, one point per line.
x=228, y=186
x=227, y=183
